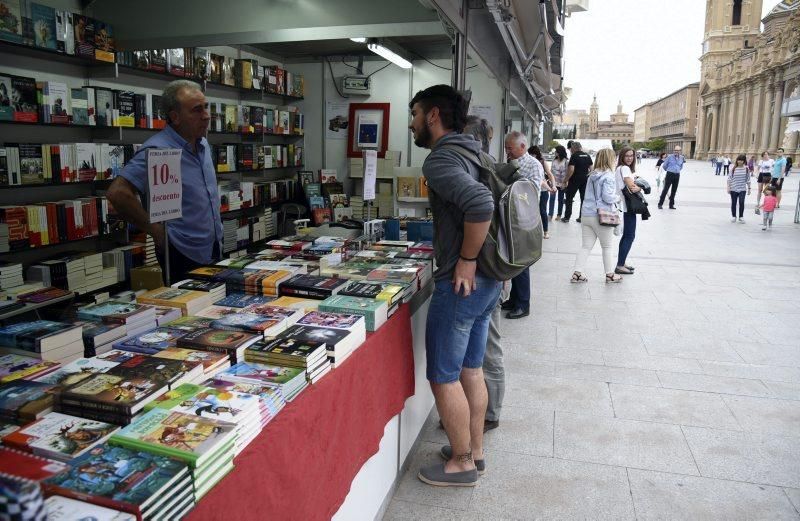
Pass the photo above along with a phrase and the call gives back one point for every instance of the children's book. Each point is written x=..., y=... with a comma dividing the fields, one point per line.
x=60, y=436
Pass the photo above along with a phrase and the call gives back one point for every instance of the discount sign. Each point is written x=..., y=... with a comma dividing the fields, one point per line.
x=164, y=180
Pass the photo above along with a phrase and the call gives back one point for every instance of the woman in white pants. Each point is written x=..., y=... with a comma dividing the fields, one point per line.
x=601, y=193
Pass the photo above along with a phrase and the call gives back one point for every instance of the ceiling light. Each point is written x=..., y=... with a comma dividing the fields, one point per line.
x=382, y=51
x=359, y=40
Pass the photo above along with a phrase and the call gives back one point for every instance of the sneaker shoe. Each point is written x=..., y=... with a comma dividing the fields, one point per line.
x=518, y=313
x=578, y=220
x=733, y=219
x=489, y=425
x=660, y=207
x=436, y=476
x=508, y=305
x=763, y=228
x=741, y=220
x=565, y=220
x=447, y=453
x=672, y=208
x=758, y=212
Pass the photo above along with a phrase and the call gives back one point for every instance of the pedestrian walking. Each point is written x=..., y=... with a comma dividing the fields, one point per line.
x=577, y=173
x=625, y=179
x=719, y=161
x=752, y=164
x=661, y=157
x=764, y=177
x=546, y=189
x=672, y=165
x=789, y=164
x=768, y=206
x=778, y=173
x=726, y=163
x=738, y=186
x=559, y=169
x=601, y=198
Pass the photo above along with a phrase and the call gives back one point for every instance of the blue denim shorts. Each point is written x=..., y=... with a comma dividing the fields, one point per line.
x=457, y=327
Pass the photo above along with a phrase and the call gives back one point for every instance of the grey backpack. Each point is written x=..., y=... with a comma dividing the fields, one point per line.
x=514, y=241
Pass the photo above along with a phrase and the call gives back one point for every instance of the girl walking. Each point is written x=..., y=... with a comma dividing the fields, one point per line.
x=559, y=170
x=660, y=161
x=547, y=188
x=769, y=204
x=601, y=195
x=739, y=186
x=624, y=179
x=764, y=177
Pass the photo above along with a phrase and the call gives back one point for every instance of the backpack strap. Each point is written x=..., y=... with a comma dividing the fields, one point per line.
x=463, y=152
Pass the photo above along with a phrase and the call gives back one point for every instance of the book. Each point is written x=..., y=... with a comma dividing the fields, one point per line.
x=207, y=339
x=374, y=311
x=406, y=187
x=22, y=498
x=244, y=321
x=155, y=370
x=241, y=300
x=39, y=336
x=15, y=366
x=112, y=393
x=76, y=371
x=25, y=401
x=117, y=477
x=207, y=402
x=322, y=318
x=28, y=466
x=44, y=25
x=211, y=361
x=24, y=100
x=104, y=45
x=84, y=35
x=287, y=351
x=11, y=21
x=60, y=508
x=311, y=286
x=187, y=437
x=152, y=341
x=60, y=436
x=117, y=312
x=262, y=374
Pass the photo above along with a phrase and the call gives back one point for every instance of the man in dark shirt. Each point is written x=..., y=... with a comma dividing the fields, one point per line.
x=577, y=174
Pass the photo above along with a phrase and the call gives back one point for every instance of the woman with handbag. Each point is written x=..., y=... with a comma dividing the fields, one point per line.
x=599, y=216
x=626, y=166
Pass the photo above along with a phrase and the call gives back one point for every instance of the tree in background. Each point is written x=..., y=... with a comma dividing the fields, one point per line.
x=657, y=145
x=555, y=134
x=552, y=144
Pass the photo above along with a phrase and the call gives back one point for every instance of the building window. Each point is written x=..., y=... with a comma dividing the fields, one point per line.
x=736, y=19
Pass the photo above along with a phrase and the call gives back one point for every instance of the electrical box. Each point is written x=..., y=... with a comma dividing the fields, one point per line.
x=356, y=85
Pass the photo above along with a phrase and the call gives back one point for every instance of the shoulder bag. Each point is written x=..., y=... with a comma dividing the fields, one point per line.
x=606, y=217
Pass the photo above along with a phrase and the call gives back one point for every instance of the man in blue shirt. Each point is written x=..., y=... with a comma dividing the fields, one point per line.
x=194, y=239
x=673, y=166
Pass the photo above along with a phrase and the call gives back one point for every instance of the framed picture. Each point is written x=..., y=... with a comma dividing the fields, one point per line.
x=368, y=128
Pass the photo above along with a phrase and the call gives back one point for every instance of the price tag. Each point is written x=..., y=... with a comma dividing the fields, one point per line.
x=370, y=174
x=165, y=194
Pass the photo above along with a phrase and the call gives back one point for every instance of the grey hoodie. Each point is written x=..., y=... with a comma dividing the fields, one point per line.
x=456, y=196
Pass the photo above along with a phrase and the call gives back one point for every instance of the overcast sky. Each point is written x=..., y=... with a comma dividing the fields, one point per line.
x=633, y=50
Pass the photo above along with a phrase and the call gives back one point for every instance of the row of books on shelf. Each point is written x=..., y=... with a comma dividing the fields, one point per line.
x=235, y=195
x=246, y=119
x=240, y=232
x=34, y=163
x=43, y=26
x=251, y=156
x=35, y=225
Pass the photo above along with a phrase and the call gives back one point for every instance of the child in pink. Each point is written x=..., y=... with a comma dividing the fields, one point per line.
x=768, y=205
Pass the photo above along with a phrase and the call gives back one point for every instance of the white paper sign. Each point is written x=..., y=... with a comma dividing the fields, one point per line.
x=370, y=174
x=164, y=181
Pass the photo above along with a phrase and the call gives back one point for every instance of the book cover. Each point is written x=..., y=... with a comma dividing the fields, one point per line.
x=174, y=397
x=84, y=35
x=17, y=463
x=189, y=323
x=103, y=41
x=80, y=106
x=6, y=109
x=24, y=399
x=330, y=336
x=14, y=367
x=170, y=296
x=10, y=21
x=406, y=186
x=288, y=348
x=61, y=508
x=104, y=102
x=215, y=339
x=258, y=373
x=241, y=300
x=150, y=368
x=113, y=390
x=76, y=371
x=157, y=60
x=152, y=341
x=117, y=477
x=113, y=311
x=127, y=108
x=208, y=402
x=44, y=26
x=29, y=335
x=60, y=436
x=244, y=321
x=187, y=437
x=209, y=359
x=327, y=319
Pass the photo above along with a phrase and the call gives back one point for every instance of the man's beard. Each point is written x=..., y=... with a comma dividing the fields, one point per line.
x=423, y=138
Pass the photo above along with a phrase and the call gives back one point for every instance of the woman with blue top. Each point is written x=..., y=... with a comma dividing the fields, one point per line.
x=739, y=186
x=626, y=167
x=601, y=194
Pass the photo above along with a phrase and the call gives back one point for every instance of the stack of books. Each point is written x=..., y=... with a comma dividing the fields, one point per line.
x=14, y=367
x=310, y=286
x=392, y=292
x=216, y=290
x=312, y=357
x=303, y=304
x=24, y=401
x=219, y=341
x=10, y=273
x=44, y=294
x=374, y=311
x=137, y=318
x=151, y=342
x=290, y=380
x=172, y=372
x=44, y=339
x=205, y=444
x=263, y=319
x=211, y=362
x=59, y=436
x=188, y=301
x=241, y=409
x=60, y=508
x=99, y=337
x=82, y=368
x=165, y=315
x=270, y=399
x=241, y=300
x=144, y=484
x=341, y=333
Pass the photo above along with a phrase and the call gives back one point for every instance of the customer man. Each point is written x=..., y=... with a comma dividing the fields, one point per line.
x=577, y=174
x=493, y=370
x=463, y=298
x=516, y=144
x=672, y=166
x=194, y=239
x=778, y=173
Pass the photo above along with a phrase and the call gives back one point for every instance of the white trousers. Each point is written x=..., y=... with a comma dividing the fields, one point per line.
x=590, y=232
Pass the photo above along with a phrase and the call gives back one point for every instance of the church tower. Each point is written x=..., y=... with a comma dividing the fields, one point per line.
x=730, y=25
x=593, y=115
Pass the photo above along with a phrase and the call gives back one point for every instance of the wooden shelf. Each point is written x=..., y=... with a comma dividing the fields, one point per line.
x=402, y=199
x=102, y=236
x=102, y=183
x=256, y=171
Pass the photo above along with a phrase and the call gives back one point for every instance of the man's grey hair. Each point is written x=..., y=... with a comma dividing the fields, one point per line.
x=479, y=129
x=169, y=98
x=518, y=138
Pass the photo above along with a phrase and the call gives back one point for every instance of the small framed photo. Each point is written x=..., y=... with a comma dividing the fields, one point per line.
x=368, y=129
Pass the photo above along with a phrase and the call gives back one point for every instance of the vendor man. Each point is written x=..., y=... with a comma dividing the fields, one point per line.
x=194, y=239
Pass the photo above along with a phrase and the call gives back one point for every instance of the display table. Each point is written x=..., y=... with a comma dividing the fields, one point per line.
x=302, y=464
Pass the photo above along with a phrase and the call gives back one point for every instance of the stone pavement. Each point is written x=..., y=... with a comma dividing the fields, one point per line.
x=674, y=395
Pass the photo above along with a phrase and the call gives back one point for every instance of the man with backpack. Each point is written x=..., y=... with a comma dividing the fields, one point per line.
x=463, y=297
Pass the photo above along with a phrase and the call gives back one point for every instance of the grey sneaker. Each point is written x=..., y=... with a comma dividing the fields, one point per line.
x=447, y=453
x=435, y=475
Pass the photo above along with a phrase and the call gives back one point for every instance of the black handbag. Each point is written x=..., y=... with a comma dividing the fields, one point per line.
x=634, y=202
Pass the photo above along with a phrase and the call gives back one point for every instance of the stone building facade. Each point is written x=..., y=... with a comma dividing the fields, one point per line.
x=673, y=118
x=618, y=128
x=750, y=80
x=641, y=123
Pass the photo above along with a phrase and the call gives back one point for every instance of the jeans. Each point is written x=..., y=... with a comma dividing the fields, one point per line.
x=767, y=217
x=591, y=231
x=575, y=186
x=628, y=235
x=719, y=168
x=725, y=169
x=670, y=181
x=737, y=197
x=560, y=196
x=521, y=290
x=543, y=196
x=493, y=371
x=457, y=328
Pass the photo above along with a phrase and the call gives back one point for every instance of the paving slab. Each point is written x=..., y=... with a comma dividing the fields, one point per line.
x=769, y=416
x=523, y=431
x=604, y=373
x=661, y=496
x=560, y=394
x=713, y=384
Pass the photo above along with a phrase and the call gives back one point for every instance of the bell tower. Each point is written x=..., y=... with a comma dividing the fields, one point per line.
x=593, y=115
x=730, y=25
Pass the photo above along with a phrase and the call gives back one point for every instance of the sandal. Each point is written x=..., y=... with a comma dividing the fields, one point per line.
x=579, y=277
x=623, y=270
x=546, y=235
x=613, y=278
x=630, y=267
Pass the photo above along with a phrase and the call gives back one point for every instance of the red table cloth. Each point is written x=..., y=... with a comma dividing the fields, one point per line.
x=302, y=464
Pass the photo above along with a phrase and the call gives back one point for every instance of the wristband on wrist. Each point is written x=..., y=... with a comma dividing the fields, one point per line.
x=467, y=259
